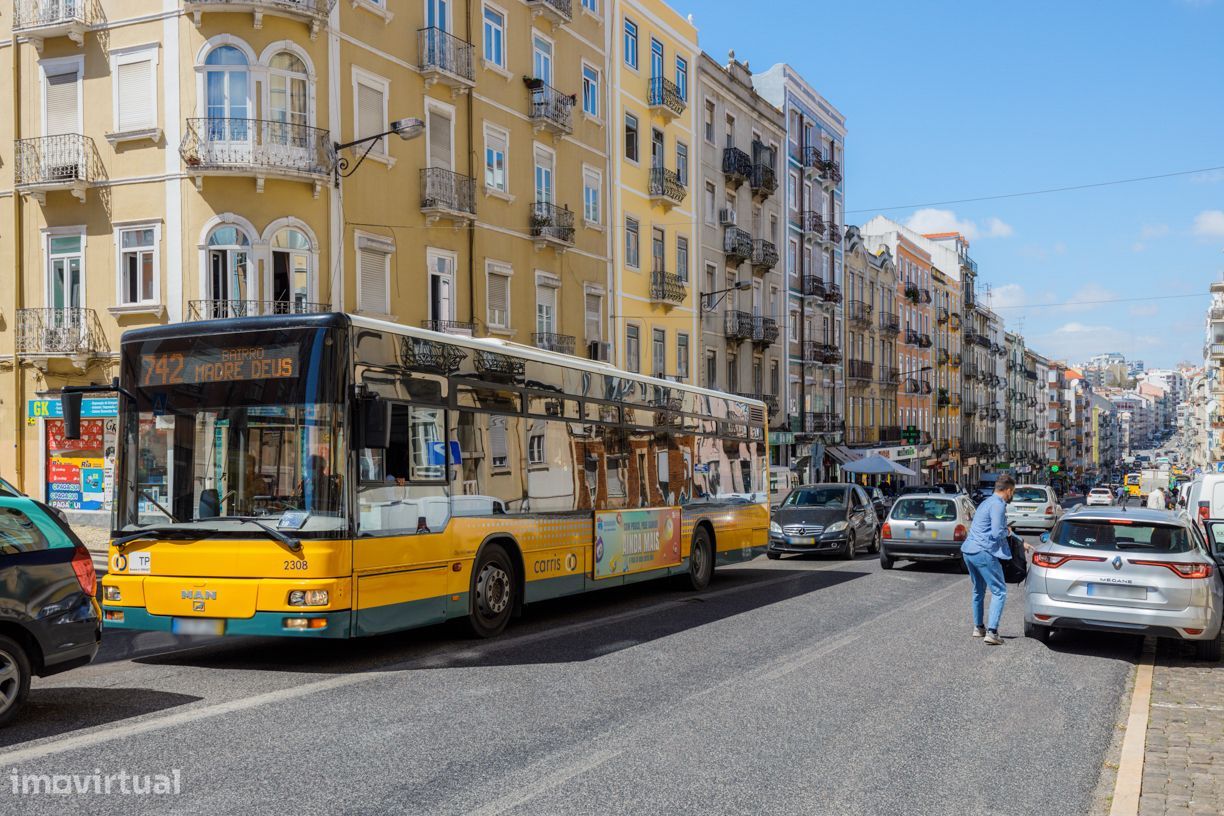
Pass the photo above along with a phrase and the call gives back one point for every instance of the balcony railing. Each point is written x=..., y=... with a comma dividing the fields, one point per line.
x=71, y=331
x=764, y=331
x=770, y=400
x=551, y=110
x=811, y=157
x=551, y=341
x=911, y=292
x=447, y=194
x=665, y=97
x=821, y=353
x=460, y=327
x=890, y=433
x=559, y=11
x=924, y=296
x=820, y=422
x=835, y=234
x=736, y=166
x=737, y=244
x=667, y=186
x=942, y=357
x=764, y=255
x=764, y=181
x=42, y=19
x=833, y=293
x=312, y=12
x=814, y=286
x=223, y=309
x=912, y=337
x=954, y=360
x=942, y=316
x=859, y=370
x=738, y=326
x=832, y=171
x=859, y=313
x=67, y=161
x=667, y=287
x=445, y=58
x=890, y=322
x=889, y=376
x=810, y=222
x=925, y=341
x=552, y=224
x=257, y=147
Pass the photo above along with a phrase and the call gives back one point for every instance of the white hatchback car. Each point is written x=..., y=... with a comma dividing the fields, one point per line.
x=1099, y=497
x=1034, y=506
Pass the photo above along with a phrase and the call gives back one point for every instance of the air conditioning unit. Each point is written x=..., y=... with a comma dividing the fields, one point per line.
x=727, y=217
x=599, y=351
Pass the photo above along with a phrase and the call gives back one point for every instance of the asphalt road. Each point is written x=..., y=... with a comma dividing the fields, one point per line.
x=806, y=685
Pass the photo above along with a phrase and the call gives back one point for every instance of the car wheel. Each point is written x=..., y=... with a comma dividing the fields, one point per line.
x=773, y=556
x=886, y=562
x=1037, y=632
x=701, y=560
x=875, y=542
x=494, y=592
x=1208, y=650
x=14, y=678
x=851, y=547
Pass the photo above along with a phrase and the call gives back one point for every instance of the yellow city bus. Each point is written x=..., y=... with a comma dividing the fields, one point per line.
x=1132, y=483
x=335, y=476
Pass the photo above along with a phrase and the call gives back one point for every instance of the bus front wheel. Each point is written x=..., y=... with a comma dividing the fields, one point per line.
x=701, y=560
x=494, y=591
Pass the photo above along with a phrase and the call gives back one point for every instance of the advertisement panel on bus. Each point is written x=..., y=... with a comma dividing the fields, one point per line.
x=628, y=541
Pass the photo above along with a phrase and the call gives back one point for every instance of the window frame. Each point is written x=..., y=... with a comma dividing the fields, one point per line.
x=636, y=158
x=633, y=227
x=596, y=86
x=121, y=269
x=501, y=269
x=497, y=132
x=503, y=30
x=126, y=56
x=631, y=33
x=379, y=243
x=591, y=173
x=383, y=86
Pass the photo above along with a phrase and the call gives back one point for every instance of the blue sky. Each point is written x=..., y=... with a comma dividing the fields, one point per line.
x=969, y=99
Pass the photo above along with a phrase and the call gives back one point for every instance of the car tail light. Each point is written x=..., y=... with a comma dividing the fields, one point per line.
x=1193, y=632
x=1049, y=509
x=1180, y=569
x=960, y=534
x=82, y=565
x=1204, y=510
x=1056, y=560
x=886, y=530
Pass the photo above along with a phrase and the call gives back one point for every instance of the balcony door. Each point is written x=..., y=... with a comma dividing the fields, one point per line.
x=61, y=158
x=230, y=292
x=438, y=14
x=656, y=148
x=289, y=138
x=227, y=92
x=542, y=59
x=656, y=60
x=291, y=272
x=65, y=291
x=441, y=287
x=544, y=177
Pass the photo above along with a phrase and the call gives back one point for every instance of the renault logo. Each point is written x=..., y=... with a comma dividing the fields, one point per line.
x=1117, y=562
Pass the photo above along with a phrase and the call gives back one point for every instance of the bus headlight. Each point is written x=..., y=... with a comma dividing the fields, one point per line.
x=111, y=593
x=308, y=597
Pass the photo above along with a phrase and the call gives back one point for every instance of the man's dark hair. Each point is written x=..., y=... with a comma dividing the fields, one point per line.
x=1004, y=483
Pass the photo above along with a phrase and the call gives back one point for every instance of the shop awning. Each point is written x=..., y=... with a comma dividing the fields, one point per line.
x=841, y=454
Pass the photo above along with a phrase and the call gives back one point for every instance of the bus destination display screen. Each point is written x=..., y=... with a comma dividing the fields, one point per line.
x=219, y=365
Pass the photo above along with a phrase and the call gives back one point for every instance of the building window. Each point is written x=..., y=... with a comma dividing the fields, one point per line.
x=682, y=76
x=138, y=270
x=373, y=274
x=633, y=350
x=709, y=121
x=682, y=355
x=590, y=91
x=773, y=377
x=631, y=137
x=542, y=58
x=732, y=372
x=631, y=43
x=656, y=58
x=591, y=6
x=498, y=314
x=793, y=192
x=709, y=278
x=658, y=240
x=135, y=84
x=633, y=244
x=682, y=162
x=682, y=258
x=794, y=327
x=658, y=351
x=546, y=307
x=711, y=367
x=371, y=101
x=594, y=317
x=494, y=37
x=544, y=161
x=711, y=194
x=497, y=145
x=592, y=195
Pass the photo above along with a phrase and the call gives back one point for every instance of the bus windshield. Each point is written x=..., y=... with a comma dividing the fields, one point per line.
x=233, y=427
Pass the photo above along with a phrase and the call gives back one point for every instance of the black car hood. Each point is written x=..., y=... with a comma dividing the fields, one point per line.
x=822, y=516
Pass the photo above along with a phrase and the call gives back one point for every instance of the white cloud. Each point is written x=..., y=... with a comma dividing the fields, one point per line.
x=1079, y=341
x=1008, y=296
x=1144, y=310
x=930, y=220
x=1089, y=297
x=1209, y=224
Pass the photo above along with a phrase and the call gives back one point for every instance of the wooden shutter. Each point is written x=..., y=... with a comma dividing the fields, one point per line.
x=499, y=300
x=439, y=140
x=134, y=84
x=593, y=319
x=63, y=94
x=546, y=296
x=370, y=115
x=372, y=269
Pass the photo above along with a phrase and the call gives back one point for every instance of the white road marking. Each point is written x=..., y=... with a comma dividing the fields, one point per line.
x=1129, y=783
x=549, y=777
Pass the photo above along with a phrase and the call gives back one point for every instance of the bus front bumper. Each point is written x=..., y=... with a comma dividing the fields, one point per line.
x=335, y=624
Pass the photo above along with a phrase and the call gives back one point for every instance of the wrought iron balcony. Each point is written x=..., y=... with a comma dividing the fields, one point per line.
x=889, y=376
x=810, y=222
x=445, y=194
x=738, y=326
x=811, y=158
x=969, y=372
x=551, y=224
x=736, y=166
x=834, y=234
x=551, y=341
x=942, y=316
x=814, y=286
x=39, y=20
x=956, y=321
x=764, y=255
x=464, y=328
x=821, y=353
x=665, y=97
x=911, y=292
x=1030, y=374
x=258, y=148
x=770, y=400
x=737, y=244
x=551, y=110
x=890, y=433
x=223, y=309
x=912, y=337
x=764, y=331
x=860, y=371
x=924, y=296
x=954, y=360
x=820, y=422
x=67, y=161
x=559, y=12
x=927, y=388
x=890, y=322
x=667, y=188
x=859, y=313
x=312, y=12
x=947, y=400
x=60, y=332
x=913, y=386
x=832, y=171
x=445, y=59
x=667, y=287
x=764, y=181
x=942, y=357
x=833, y=293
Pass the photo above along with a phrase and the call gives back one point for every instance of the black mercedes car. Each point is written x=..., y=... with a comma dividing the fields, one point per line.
x=835, y=518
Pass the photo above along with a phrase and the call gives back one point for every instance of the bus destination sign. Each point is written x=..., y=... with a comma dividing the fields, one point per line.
x=219, y=365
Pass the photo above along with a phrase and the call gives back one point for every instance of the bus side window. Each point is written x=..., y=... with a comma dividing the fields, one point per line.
x=403, y=489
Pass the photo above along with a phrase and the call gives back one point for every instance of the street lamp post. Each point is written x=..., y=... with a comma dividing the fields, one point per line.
x=406, y=129
x=709, y=303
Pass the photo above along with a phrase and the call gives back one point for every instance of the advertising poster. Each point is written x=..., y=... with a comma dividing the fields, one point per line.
x=629, y=541
x=80, y=471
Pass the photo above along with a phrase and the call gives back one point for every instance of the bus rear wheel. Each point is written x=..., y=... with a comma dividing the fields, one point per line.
x=494, y=592
x=701, y=560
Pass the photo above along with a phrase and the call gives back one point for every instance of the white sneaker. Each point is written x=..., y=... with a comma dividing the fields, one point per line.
x=993, y=639
x=979, y=631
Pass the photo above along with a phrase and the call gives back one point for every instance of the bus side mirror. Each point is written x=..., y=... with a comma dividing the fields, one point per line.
x=70, y=403
x=374, y=423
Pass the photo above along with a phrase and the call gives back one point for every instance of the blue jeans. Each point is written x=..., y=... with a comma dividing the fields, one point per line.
x=985, y=571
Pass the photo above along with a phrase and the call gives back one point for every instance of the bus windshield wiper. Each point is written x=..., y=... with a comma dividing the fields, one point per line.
x=289, y=541
x=157, y=504
x=176, y=533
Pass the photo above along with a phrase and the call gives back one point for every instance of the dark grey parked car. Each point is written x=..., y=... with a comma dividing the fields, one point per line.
x=836, y=518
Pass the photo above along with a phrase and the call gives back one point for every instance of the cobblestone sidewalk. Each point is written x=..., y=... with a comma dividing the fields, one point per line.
x=1183, y=772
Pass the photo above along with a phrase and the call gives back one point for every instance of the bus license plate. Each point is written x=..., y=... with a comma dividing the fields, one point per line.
x=197, y=626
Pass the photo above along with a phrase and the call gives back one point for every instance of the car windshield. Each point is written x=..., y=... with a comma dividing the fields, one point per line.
x=1030, y=494
x=920, y=489
x=833, y=498
x=924, y=510
x=1094, y=534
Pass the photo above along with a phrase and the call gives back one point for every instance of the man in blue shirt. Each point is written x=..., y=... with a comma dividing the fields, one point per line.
x=983, y=548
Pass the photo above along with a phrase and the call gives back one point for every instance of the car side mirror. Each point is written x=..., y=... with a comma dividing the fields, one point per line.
x=1045, y=538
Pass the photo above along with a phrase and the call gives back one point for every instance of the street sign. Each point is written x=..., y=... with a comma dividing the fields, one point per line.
x=911, y=434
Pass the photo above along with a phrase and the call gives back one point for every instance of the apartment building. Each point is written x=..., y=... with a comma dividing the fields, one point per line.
x=815, y=147
x=947, y=356
x=740, y=275
x=1022, y=402
x=872, y=324
x=186, y=161
x=652, y=129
